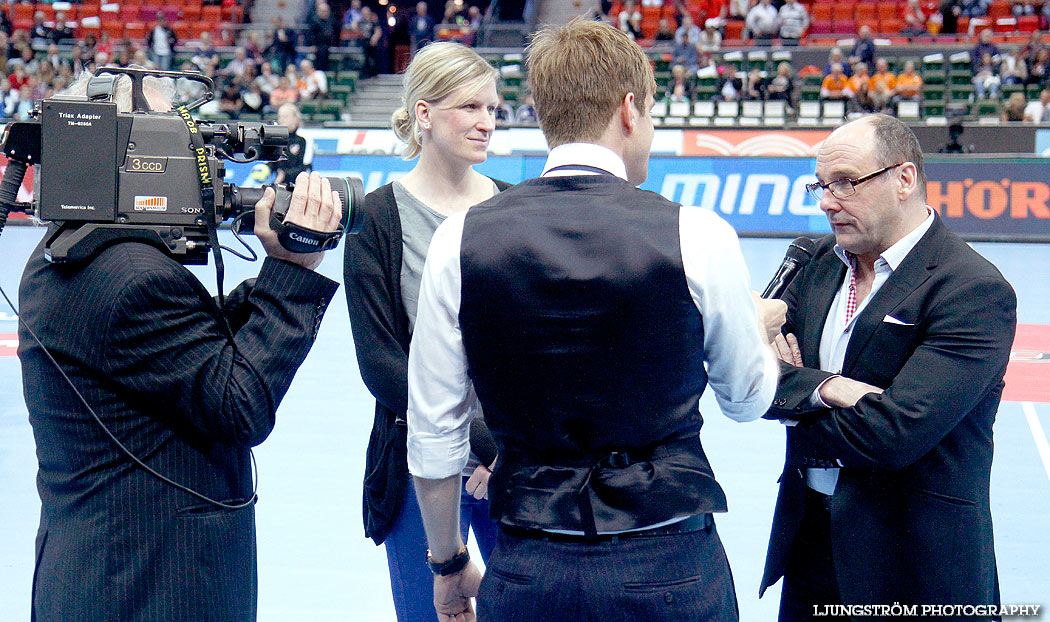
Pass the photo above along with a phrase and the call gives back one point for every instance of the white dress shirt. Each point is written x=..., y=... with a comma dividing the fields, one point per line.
x=441, y=399
x=835, y=339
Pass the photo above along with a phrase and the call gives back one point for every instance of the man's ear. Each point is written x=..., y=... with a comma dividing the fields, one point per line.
x=628, y=112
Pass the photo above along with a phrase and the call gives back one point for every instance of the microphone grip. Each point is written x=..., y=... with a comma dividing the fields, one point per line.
x=780, y=281
x=482, y=442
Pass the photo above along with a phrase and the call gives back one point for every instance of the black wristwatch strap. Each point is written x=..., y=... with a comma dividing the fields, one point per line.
x=458, y=562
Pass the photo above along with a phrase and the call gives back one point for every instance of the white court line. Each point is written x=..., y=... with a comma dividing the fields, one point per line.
x=1037, y=434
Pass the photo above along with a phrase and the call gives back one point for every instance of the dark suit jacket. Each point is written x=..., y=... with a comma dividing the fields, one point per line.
x=143, y=341
x=910, y=519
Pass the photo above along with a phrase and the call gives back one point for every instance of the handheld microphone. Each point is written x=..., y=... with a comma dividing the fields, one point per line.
x=798, y=254
x=482, y=443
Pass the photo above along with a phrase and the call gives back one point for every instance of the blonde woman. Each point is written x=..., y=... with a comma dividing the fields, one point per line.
x=446, y=121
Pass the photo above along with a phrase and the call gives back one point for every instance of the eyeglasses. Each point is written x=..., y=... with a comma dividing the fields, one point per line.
x=845, y=187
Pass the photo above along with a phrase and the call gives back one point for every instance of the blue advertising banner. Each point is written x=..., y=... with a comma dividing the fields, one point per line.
x=979, y=198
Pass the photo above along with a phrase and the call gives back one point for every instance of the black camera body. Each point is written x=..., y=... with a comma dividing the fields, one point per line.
x=104, y=176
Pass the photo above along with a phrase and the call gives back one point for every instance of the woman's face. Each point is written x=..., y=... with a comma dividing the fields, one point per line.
x=461, y=131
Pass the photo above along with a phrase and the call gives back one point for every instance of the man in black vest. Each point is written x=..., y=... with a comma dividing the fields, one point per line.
x=586, y=317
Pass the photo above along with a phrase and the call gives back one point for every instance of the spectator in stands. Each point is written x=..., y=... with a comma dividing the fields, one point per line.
x=986, y=77
x=680, y=87
x=61, y=32
x=835, y=86
x=1014, y=69
x=713, y=9
x=55, y=59
x=267, y=79
x=238, y=65
x=314, y=81
x=984, y=46
x=25, y=102
x=864, y=49
x=860, y=85
x=688, y=34
x=352, y=15
x=18, y=78
x=230, y=101
x=105, y=46
x=1039, y=68
x=710, y=37
x=683, y=52
x=504, y=113
x=914, y=19
x=5, y=25
x=206, y=54
x=763, y=22
x=1013, y=109
x=323, y=33
x=282, y=49
x=161, y=42
x=882, y=85
x=738, y=9
x=949, y=14
x=909, y=84
x=794, y=20
x=10, y=100
x=526, y=113
x=1035, y=43
x=973, y=8
x=754, y=86
x=630, y=19
x=835, y=56
x=377, y=53
x=782, y=86
x=1039, y=110
x=285, y=93
x=254, y=99
x=40, y=32
x=664, y=32
x=1020, y=8
x=421, y=27
x=729, y=86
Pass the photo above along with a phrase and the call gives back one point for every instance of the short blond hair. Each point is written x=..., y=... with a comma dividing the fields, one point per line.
x=578, y=75
x=437, y=70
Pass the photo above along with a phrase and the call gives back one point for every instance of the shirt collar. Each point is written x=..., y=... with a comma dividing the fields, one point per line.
x=894, y=255
x=584, y=153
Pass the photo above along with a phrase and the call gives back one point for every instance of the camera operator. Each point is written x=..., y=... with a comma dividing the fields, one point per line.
x=181, y=391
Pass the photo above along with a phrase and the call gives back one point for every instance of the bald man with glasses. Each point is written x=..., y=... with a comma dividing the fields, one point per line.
x=893, y=355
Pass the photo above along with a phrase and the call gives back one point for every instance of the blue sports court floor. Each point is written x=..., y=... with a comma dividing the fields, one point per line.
x=314, y=563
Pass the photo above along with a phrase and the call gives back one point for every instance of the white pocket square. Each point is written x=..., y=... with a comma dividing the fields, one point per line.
x=889, y=319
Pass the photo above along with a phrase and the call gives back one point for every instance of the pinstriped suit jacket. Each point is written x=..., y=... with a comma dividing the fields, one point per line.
x=143, y=341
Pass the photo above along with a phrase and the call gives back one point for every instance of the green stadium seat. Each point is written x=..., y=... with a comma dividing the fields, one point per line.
x=932, y=108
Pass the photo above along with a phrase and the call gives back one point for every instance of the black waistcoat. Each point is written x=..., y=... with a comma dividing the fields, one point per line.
x=586, y=351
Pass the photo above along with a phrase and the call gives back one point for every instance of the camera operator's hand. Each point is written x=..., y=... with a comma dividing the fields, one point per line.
x=313, y=206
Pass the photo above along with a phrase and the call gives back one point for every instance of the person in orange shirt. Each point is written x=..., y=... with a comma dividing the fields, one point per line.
x=882, y=85
x=860, y=83
x=909, y=84
x=835, y=85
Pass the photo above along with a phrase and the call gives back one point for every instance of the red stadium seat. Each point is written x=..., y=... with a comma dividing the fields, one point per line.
x=891, y=25
x=22, y=12
x=846, y=26
x=866, y=11
x=191, y=13
x=821, y=11
x=212, y=14
x=734, y=30
x=1028, y=23
x=842, y=11
x=136, y=31
x=889, y=10
x=1006, y=25
x=820, y=27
